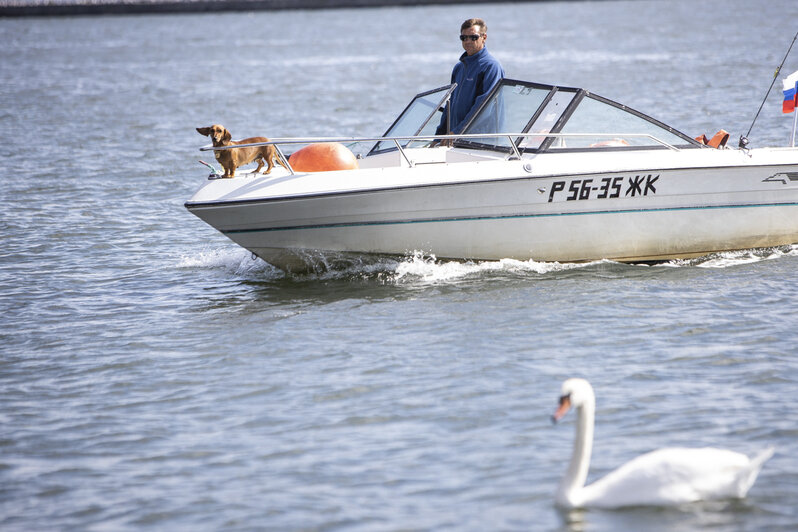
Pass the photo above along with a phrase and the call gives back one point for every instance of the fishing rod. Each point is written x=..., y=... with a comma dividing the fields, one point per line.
x=744, y=138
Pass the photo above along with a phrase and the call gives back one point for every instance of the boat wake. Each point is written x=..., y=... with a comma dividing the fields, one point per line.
x=236, y=261
x=729, y=259
x=418, y=267
x=414, y=267
x=426, y=268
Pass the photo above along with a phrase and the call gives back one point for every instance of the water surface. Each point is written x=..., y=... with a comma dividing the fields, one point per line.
x=153, y=375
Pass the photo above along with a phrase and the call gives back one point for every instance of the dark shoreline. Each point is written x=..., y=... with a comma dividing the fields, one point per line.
x=134, y=7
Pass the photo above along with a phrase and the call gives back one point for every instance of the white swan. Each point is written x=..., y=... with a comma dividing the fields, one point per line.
x=664, y=477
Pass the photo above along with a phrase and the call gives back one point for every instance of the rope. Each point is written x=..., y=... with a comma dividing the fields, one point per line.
x=214, y=171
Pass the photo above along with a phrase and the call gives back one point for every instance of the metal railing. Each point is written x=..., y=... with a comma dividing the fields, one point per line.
x=440, y=139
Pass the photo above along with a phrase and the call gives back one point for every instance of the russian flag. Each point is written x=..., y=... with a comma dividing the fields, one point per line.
x=790, y=93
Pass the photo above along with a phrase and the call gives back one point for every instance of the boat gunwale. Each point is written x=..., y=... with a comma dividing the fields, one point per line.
x=339, y=193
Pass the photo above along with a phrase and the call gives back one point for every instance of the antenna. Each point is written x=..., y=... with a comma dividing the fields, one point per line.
x=744, y=139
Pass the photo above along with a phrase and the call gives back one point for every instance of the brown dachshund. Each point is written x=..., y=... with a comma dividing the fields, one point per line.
x=233, y=158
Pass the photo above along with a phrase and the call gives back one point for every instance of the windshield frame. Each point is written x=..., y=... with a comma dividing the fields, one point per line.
x=689, y=142
x=551, y=116
x=446, y=91
x=579, y=95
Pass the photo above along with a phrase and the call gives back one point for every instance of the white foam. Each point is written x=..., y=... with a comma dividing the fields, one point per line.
x=748, y=256
x=238, y=261
x=355, y=60
x=419, y=267
x=590, y=57
x=428, y=269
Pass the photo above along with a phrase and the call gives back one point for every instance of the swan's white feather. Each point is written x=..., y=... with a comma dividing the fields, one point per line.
x=665, y=477
x=673, y=476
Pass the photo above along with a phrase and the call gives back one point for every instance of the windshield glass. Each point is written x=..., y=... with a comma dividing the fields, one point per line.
x=615, y=125
x=548, y=118
x=420, y=117
x=536, y=110
x=509, y=110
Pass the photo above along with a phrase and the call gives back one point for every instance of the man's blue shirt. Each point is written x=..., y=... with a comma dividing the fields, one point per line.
x=475, y=76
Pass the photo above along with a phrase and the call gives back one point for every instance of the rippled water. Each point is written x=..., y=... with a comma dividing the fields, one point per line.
x=153, y=375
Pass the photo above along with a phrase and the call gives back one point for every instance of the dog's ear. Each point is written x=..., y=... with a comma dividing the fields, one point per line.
x=227, y=136
x=204, y=131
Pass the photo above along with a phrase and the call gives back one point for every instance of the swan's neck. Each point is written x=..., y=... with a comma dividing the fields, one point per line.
x=575, y=477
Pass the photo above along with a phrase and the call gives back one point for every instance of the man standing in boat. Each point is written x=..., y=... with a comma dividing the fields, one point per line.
x=475, y=74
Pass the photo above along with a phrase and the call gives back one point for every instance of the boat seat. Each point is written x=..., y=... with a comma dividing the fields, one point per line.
x=718, y=141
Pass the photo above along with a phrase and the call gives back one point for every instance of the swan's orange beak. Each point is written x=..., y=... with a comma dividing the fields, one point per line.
x=565, y=405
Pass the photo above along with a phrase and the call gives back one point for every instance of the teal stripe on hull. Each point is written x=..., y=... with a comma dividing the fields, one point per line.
x=507, y=217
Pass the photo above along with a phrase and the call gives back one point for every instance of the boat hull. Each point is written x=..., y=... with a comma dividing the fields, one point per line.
x=524, y=210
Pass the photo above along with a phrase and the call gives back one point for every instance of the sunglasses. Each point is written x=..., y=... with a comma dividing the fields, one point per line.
x=471, y=37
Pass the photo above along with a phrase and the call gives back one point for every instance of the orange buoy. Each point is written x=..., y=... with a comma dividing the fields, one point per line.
x=323, y=157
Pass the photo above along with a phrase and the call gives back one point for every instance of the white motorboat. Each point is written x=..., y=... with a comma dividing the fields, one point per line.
x=541, y=172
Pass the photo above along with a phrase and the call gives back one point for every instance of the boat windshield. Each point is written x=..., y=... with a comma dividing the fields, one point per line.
x=519, y=108
x=614, y=127
x=580, y=119
x=537, y=117
x=420, y=117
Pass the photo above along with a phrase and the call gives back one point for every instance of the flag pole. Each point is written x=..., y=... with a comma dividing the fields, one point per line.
x=794, y=123
x=744, y=139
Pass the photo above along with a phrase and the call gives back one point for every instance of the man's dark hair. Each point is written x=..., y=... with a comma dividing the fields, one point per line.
x=483, y=28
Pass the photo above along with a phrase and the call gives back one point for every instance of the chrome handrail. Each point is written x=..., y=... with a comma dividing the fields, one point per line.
x=398, y=139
